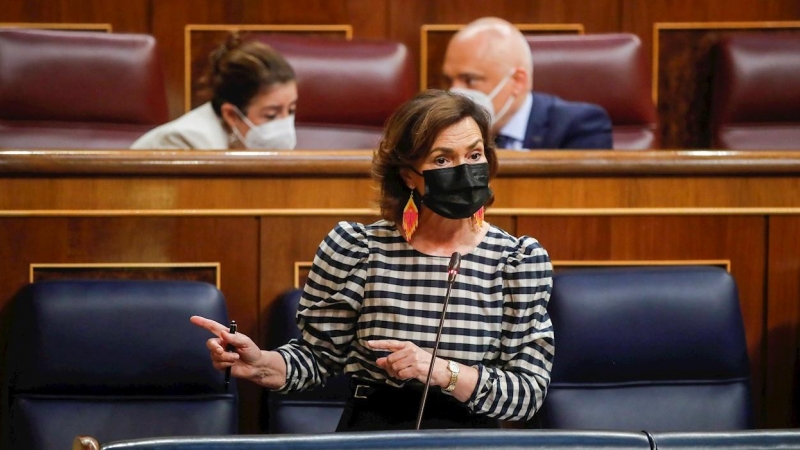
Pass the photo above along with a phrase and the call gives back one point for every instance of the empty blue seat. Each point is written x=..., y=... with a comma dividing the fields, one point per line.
x=313, y=411
x=114, y=360
x=740, y=440
x=654, y=348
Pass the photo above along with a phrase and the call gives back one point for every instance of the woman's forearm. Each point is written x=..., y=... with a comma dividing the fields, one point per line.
x=467, y=379
x=270, y=371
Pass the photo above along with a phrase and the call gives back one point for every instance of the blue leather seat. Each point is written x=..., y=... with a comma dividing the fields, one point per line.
x=429, y=439
x=656, y=349
x=314, y=411
x=742, y=440
x=114, y=360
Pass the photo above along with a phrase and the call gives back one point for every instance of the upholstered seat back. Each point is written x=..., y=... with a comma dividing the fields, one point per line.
x=347, y=88
x=656, y=349
x=756, y=101
x=750, y=439
x=290, y=413
x=76, y=89
x=114, y=360
x=605, y=69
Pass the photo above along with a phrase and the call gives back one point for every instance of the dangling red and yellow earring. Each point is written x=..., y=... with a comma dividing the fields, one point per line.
x=410, y=217
x=477, y=218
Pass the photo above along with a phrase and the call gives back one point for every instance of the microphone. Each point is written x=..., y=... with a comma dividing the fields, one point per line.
x=452, y=271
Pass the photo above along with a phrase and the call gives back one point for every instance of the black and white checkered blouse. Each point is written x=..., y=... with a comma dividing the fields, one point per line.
x=368, y=283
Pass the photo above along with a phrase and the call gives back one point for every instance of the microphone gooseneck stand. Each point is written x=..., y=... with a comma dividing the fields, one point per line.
x=452, y=270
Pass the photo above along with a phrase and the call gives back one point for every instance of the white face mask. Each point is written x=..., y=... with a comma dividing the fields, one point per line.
x=486, y=100
x=278, y=134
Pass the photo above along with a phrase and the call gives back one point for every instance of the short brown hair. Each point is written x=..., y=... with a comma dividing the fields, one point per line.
x=240, y=70
x=409, y=135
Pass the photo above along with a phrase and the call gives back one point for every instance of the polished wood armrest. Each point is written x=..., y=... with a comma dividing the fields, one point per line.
x=358, y=162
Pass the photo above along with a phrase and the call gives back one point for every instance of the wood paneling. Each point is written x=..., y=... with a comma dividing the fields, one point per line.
x=212, y=196
x=204, y=272
x=125, y=17
x=684, y=72
x=140, y=240
x=135, y=183
x=103, y=27
x=672, y=238
x=783, y=317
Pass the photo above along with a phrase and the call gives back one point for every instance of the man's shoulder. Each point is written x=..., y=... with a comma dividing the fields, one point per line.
x=559, y=123
x=558, y=106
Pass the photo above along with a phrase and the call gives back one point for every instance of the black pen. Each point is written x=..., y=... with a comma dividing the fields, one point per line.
x=229, y=348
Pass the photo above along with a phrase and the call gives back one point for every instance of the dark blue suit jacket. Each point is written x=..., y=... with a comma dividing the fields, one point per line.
x=556, y=123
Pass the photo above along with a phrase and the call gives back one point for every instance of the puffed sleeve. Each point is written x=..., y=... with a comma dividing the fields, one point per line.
x=514, y=387
x=328, y=308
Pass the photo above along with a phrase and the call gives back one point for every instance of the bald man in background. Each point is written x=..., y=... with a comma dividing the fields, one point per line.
x=489, y=60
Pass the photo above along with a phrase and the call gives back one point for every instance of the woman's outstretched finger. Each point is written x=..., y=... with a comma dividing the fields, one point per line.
x=208, y=324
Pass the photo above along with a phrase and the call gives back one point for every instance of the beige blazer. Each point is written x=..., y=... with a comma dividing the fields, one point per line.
x=199, y=129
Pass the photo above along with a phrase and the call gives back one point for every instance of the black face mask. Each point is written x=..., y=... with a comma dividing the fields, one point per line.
x=457, y=192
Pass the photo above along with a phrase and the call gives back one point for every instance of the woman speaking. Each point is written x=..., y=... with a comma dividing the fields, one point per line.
x=373, y=300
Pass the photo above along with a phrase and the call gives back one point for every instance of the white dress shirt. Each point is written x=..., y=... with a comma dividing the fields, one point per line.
x=516, y=127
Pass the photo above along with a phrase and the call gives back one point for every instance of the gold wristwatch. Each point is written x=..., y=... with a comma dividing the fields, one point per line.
x=453, y=367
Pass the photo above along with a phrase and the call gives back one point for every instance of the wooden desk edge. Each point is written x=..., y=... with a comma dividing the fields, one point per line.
x=357, y=163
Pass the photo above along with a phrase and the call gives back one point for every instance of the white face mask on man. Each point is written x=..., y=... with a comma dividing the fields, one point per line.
x=278, y=134
x=485, y=100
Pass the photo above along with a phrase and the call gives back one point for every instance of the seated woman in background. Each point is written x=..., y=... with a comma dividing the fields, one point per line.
x=253, y=101
x=373, y=300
